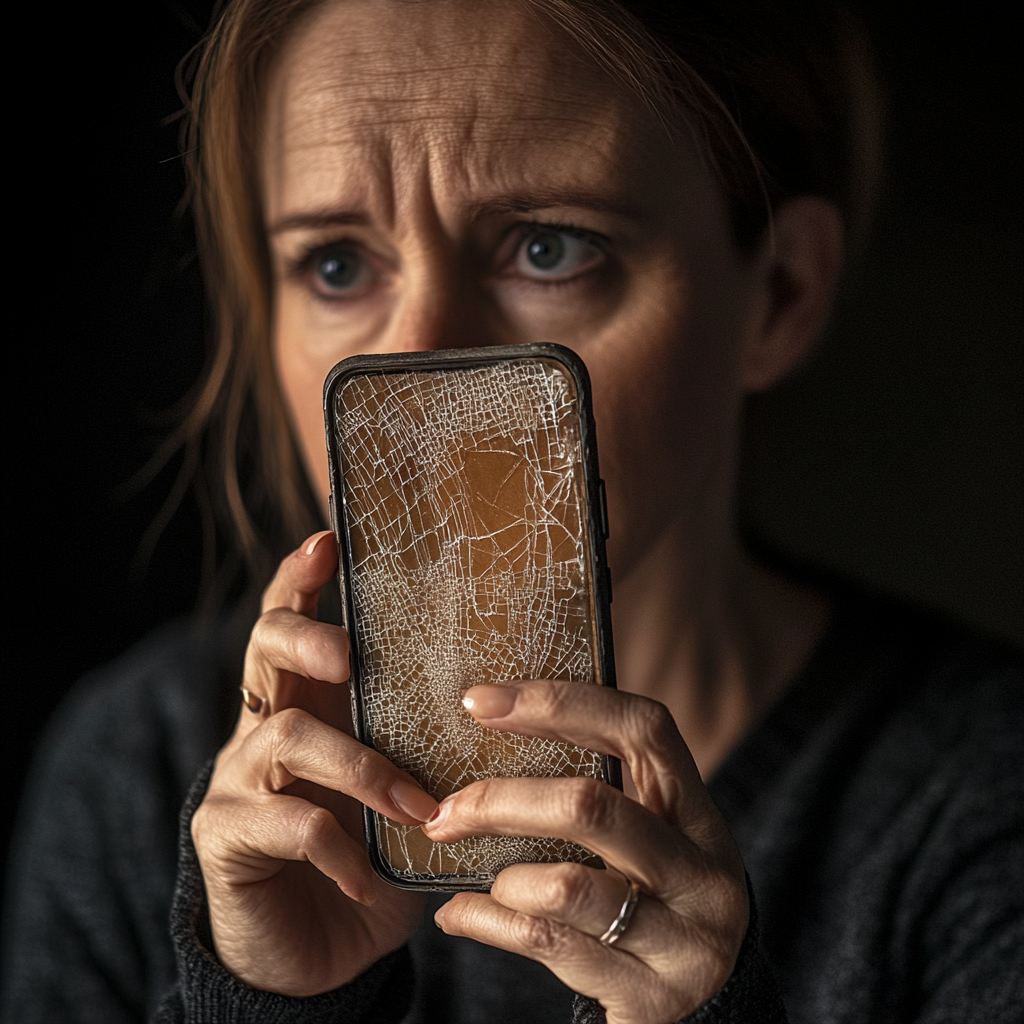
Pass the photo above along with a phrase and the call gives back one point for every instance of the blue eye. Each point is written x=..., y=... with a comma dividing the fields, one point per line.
x=545, y=250
x=547, y=254
x=340, y=270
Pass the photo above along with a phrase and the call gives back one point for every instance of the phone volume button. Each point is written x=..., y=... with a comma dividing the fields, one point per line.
x=604, y=508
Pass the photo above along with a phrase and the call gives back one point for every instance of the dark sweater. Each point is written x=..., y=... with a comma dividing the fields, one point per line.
x=879, y=807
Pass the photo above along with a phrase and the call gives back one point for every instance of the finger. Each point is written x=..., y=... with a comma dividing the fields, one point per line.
x=589, y=900
x=243, y=842
x=628, y=988
x=294, y=745
x=626, y=835
x=299, y=577
x=295, y=662
x=285, y=641
x=580, y=961
x=640, y=731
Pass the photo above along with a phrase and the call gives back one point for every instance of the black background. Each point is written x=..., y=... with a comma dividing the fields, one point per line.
x=896, y=457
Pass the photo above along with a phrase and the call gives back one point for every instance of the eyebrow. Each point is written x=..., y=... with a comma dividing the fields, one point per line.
x=515, y=202
x=545, y=199
x=317, y=219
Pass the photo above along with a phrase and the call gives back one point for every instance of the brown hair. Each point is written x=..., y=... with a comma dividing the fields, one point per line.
x=781, y=100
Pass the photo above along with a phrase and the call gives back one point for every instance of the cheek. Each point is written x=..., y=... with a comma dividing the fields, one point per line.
x=667, y=397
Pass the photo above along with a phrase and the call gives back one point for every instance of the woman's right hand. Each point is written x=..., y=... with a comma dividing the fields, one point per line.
x=295, y=907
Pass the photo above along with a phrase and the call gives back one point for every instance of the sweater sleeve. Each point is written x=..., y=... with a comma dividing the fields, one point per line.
x=205, y=993
x=750, y=996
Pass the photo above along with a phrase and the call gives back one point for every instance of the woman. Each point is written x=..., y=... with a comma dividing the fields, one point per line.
x=667, y=193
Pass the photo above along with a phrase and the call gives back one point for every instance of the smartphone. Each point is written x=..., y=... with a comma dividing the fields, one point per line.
x=471, y=525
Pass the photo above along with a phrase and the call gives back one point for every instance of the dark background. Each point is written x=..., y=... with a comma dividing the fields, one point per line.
x=895, y=458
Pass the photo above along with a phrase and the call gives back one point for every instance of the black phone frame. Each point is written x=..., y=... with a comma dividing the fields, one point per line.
x=597, y=526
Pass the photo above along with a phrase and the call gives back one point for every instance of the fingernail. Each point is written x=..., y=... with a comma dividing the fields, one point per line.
x=313, y=541
x=414, y=801
x=436, y=820
x=490, y=701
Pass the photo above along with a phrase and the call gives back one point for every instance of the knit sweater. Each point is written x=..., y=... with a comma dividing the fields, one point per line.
x=879, y=807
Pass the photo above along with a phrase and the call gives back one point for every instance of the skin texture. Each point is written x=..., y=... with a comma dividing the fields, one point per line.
x=428, y=148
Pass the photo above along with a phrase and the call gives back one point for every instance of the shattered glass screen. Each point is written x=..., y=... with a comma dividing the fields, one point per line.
x=465, y=506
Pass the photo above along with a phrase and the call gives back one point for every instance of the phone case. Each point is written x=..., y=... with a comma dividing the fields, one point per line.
x=471, y=524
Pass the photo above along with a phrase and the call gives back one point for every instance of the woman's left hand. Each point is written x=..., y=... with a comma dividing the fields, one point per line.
x=683, y=940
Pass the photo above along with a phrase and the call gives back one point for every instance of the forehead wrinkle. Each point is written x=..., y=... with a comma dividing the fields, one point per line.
x=502, y=68
x=331, y=114
x=338, y=108
x=367, y=121
x=399, y=48
x=502, y=156
x=506, y=173
x=487, y=144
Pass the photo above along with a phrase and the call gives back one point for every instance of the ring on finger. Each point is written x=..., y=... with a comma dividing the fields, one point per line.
x=253, y=701
x=618, y=927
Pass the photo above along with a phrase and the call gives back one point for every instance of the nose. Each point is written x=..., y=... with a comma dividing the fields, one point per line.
x=441, y=306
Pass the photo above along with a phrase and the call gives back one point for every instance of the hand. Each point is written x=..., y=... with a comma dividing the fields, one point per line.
x=295, y=907
x=682, y=942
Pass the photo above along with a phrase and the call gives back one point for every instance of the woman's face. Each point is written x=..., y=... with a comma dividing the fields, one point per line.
x=451, y=174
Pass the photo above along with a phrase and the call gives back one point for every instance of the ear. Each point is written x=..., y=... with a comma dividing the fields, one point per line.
x=798, y=266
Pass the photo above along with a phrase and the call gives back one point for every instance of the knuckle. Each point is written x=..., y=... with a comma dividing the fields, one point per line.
x=588, y=804
x=571, y=889
x=363, y=767
x=555, y=699
x=652, y=724
x=270, y=621
x=479, y=799
x=315, y=827
x=539, y=934
x=492, y=794
x=209, y=822
x=286, y=729
x=265, y=631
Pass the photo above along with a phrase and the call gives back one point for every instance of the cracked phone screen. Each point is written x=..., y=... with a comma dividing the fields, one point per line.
x=469, y=562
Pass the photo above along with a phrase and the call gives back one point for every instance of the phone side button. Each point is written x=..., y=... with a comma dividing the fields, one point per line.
x=604, y=508
x=334, y=515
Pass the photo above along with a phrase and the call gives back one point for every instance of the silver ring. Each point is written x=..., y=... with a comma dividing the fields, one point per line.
x=618, y=927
